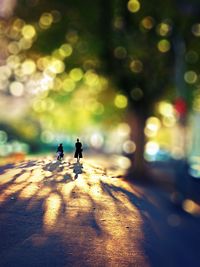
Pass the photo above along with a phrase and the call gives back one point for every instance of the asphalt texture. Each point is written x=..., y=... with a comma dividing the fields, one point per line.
x=65, y=213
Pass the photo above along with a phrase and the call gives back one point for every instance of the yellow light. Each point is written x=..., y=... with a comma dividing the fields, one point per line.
x=68, y=85
x=121, y=101
x=76, y=74
x=50, y=103
x=133, y=6
x=91, y=78
x=190, y=77
x=16, y=88
x=169, y=121
x=149, y=133
x=65, y=50
x=25, y=43
x=163, y=29
x=136, y=66
x=164, y=46
x=28, y=67
x=46, y=20
x=57, y=84
x=165, y=109
x=56, y=66
x=153, y=124
x=28, y=31
x=39, y=105
x=196, y=104
x=148, y=23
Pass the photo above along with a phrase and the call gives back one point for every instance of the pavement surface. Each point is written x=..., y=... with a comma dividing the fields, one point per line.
x=85, y=214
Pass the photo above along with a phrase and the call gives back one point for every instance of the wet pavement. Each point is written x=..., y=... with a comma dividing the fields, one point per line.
x=84, y=214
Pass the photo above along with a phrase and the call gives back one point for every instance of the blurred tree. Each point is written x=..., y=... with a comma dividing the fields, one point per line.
x=144, y=45
x=144, y=48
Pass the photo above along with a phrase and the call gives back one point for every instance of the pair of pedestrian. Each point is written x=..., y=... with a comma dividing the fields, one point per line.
x=77, y=154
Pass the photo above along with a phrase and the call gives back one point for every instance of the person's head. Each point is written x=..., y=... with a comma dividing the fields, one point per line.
x=77, y=140
x=60, y=144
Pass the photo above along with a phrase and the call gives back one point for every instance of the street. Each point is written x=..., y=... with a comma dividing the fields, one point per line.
x=85, y=214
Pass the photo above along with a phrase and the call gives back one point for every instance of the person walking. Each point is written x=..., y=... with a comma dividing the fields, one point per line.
x=78, y=151
x=60, y=152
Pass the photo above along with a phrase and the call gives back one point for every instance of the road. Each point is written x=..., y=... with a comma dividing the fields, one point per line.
x=68, y=214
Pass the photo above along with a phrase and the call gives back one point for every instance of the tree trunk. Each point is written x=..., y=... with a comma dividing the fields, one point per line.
x=138, y=168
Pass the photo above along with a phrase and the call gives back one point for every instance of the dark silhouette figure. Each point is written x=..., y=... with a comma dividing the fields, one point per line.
x=60, y=153
x=78, y=152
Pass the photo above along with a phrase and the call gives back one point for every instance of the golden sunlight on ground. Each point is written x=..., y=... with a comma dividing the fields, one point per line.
x=85, y=198
x=65, y=214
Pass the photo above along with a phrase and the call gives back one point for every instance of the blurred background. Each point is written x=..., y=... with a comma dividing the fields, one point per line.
x=123, y=76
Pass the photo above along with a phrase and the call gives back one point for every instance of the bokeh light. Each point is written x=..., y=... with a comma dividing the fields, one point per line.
x=133, y=6
x=121, y=101
x=16, y=89
x=46, y=20
x=151, y=148
x=153, y=124
x=190, y=77
x=163, y=29
x=148, y=23
x=129, y=147
x=164, y=46
x=28, y=31
x=65, y=50
x=196, y=29
x=136, y=66
x=76, y=74
x=28, y=67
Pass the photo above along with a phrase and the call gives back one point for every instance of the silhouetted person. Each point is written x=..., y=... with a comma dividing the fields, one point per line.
x=78, y=152
x=60, y=153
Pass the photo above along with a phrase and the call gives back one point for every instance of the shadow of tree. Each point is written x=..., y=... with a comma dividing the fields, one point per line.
x=48, y=218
